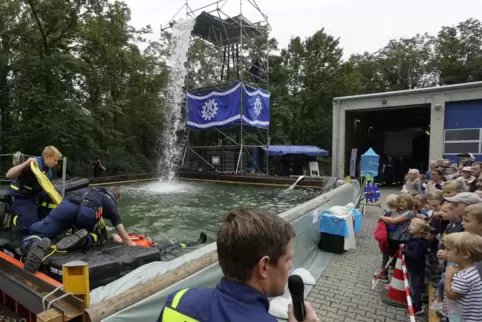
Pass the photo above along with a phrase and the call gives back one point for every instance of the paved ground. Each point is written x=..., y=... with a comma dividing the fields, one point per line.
x=343, y=292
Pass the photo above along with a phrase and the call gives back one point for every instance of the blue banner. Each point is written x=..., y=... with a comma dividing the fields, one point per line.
x=256, y=107
x=215, y=109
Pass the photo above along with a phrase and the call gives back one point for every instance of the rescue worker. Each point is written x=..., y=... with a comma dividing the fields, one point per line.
x=255, y=252
x=83, y=210
x=45, y=205
x=25, y=188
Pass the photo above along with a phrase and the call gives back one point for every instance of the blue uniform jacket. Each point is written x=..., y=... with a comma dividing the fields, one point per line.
x=414, y=250
x=103, y=199
x=228, y=302
x=26, y=185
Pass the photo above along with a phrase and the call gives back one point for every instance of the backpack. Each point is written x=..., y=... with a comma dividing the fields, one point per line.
x=381, y=236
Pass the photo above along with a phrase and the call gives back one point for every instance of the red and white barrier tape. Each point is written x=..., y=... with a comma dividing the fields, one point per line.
x=379, y=276
x=411, y=312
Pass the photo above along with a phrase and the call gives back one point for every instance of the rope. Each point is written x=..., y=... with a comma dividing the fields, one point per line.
x=411, y=312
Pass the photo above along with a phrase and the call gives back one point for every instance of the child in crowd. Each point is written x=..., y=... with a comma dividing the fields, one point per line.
x=413, y=182
x=399, y=221
x=414, y=251
x=450, y=214
x=392, y=203
x=420, y=207
x=453, y=187
x=435, y=200
x=467, y=176
x=463, y=286
x=472, y=219
x=457, y=205
x=424, y=182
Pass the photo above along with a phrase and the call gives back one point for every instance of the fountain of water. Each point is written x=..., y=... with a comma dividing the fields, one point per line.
x=174, y=123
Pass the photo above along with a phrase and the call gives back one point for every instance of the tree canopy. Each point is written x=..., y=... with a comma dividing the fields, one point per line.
x=76, y=74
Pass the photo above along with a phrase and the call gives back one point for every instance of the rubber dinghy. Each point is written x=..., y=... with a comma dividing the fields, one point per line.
x=108, y=262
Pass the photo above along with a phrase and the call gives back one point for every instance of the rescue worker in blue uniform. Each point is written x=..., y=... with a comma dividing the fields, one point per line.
x=25, y=188
x=45, y=205
x=255, y=251
x=83, y=210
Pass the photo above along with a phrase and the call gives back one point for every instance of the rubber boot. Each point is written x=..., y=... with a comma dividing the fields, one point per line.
x=76, y=240
x=36, y=252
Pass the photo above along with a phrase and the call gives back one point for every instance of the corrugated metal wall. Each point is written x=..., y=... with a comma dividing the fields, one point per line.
x=463, y=129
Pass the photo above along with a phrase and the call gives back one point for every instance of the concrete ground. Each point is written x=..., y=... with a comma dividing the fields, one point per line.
x=343, y=292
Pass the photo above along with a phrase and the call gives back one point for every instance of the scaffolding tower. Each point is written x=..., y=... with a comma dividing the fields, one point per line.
x=228, y=55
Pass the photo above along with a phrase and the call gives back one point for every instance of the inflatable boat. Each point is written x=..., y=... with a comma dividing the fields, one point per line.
x=107, y=263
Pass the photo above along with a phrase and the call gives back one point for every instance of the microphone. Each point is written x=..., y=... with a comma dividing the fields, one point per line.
x=297, y=291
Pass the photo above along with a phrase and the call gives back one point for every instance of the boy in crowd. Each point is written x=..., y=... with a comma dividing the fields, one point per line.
x=473, y=224
x=414, y=250
x=463, y=286
x=456, y=206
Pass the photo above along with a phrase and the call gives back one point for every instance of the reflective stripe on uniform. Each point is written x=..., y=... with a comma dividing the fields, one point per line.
x=94, y=237
x=14, y=187
x=171, y=315
x=48, y=205
x=14, y=221
x=33, y=237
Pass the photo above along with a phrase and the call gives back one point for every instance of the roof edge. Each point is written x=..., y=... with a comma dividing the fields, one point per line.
x=415, y=91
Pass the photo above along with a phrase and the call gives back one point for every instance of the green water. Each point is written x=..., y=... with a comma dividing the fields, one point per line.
x=182, y=210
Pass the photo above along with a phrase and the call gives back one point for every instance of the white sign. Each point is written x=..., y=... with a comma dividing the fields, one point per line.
x=315, y=216
x=353, y=163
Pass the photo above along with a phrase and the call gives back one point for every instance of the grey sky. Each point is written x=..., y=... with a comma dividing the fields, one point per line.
x=361, y=25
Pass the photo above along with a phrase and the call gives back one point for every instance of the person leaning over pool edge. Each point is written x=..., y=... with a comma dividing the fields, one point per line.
x=255, y=251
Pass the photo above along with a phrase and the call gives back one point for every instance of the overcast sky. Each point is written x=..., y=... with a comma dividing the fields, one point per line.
x=361, y=25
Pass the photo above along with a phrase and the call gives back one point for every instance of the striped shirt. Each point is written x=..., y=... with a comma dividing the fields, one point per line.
x=468, y=284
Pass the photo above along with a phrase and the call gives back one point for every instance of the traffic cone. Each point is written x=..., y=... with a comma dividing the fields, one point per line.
x=395, y=295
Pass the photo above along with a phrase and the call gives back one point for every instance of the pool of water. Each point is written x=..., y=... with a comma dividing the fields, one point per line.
x=182, y=210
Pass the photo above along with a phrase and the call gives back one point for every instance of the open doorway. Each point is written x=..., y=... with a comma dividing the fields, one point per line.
x=400, y=135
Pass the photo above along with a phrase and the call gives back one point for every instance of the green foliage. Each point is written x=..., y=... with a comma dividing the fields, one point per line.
x=76, y=74
x=310, y=73
x=72, y=74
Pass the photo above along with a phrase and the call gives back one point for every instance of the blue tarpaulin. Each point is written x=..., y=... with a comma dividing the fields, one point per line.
x=310, y=150
x=333, y=225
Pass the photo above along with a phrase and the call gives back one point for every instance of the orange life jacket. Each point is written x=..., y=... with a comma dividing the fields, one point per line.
x=140, y=240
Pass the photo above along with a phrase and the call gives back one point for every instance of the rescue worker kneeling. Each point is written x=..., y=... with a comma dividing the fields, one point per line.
x=255, y=252
x=25, y=188
x=84, y=210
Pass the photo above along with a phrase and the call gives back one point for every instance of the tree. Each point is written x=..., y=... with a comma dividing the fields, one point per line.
x=459, y=52
x=76, y=74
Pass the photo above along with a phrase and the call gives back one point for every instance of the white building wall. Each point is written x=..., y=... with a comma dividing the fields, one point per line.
x=435, y=96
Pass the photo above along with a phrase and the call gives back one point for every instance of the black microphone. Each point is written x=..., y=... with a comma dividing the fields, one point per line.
x=297, y=291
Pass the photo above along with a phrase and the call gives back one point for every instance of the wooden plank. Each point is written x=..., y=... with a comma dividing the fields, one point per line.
x=131, y=296
x=51, y=315
x=432, y=316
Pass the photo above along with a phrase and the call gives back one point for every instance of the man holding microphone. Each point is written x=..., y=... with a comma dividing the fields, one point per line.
x=255, y=252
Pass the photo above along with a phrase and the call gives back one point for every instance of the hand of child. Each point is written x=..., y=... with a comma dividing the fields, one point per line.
x=451, y=270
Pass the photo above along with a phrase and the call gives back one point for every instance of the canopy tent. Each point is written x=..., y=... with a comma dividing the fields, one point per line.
x=310, y=150
x=369, y=163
